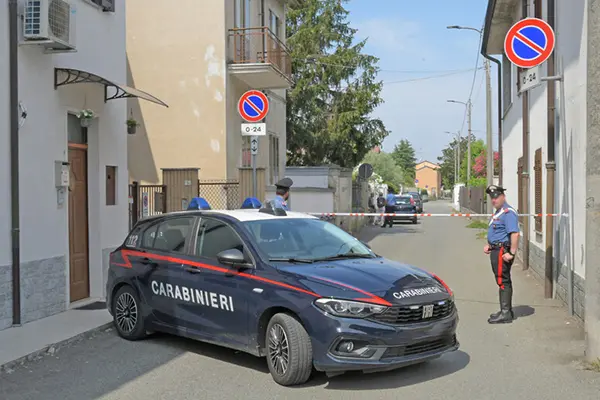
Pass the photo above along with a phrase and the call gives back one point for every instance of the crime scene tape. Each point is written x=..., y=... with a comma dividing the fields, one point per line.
x=424, y=215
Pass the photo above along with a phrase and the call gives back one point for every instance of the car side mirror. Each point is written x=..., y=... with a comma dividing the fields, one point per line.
x=233, y=258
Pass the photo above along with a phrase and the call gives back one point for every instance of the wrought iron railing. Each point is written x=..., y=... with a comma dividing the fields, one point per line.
x=257, y=46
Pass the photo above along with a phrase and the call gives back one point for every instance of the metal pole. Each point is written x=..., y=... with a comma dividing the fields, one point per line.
x=13, y=18
x=490, y=144
x=458, y=163
x=254, y=175
x=469, y=108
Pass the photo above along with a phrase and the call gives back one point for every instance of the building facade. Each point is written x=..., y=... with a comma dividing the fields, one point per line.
x=540, y=141
x=429, y=177
x=200, y=58
x=73, y=179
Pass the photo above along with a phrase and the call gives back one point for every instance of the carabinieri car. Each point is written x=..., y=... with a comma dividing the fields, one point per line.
x=282, y=285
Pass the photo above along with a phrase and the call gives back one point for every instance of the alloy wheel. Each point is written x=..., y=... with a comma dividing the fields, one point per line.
x=279, y=351
x=126, y=313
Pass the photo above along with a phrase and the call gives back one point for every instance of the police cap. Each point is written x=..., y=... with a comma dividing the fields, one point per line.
x=495, y=191
x=284, y=183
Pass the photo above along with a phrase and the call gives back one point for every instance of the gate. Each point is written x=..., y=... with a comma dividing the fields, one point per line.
x=221, y=194
x=146, y=200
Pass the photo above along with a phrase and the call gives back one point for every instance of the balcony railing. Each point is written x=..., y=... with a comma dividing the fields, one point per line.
x=259, y=46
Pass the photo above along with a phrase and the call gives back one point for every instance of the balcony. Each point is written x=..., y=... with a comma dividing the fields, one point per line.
x=259, y=59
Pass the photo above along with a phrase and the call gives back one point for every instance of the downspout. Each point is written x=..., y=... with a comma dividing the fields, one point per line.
x=525, y=173
x=14, y=161
x=499, y=73
x=551, y=164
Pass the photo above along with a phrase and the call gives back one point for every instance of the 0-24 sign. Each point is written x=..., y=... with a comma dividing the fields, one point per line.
x=529, y=78
x=259, y=129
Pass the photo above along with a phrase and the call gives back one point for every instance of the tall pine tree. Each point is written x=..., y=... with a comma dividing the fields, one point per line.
x=336, y=88
x=404, y=156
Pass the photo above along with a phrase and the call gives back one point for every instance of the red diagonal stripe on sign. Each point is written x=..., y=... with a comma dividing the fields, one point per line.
x=254, y=107
x=529, y=42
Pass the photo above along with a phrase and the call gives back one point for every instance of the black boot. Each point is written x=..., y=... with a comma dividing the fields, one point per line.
x=506, y=314
x=497, y=313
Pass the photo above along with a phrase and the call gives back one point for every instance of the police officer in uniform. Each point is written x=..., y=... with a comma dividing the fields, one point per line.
x=282, y=193
x=503, y=242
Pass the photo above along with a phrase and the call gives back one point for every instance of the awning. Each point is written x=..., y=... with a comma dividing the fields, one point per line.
x=112, y=91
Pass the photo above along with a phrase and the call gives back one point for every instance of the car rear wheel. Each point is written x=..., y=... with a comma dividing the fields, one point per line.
x=127, y=314
x=414, y=221
x=289, y=350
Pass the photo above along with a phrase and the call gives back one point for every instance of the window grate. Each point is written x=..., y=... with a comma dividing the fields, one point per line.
x=537, y=168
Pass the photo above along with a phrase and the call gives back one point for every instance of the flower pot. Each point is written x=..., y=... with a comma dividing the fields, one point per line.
x=131, y=129
x=85, y=122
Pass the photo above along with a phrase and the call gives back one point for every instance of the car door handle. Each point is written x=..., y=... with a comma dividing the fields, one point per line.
x=192, y=270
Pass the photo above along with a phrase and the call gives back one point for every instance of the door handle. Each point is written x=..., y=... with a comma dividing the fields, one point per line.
x=192, y=270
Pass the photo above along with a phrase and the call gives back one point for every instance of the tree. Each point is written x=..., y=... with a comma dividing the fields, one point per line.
x=404, y=156
x=384, y=166
x=329, y=108
x=447, y=161
x=477, y=146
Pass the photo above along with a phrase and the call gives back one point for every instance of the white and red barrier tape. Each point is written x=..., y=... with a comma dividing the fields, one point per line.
x=424, y=215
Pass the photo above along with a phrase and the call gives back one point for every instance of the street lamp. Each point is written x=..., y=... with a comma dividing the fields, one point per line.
x=490, y=145
x=469, y=107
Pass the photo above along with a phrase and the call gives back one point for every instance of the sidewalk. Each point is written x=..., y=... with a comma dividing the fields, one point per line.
x=32, y=340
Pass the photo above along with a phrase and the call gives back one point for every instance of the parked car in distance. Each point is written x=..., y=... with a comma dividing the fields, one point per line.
x=406, y=206
x=417, y=198
x=425, y=197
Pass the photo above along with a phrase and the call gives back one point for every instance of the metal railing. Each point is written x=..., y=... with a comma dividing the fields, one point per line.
x=221, y=194
x=257, y=46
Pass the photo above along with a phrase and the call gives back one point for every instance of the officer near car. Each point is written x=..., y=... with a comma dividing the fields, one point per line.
x=282, y=193
x=390, y=202
x=503, y=242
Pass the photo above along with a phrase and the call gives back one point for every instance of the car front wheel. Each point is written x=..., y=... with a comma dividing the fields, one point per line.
x=127, y=314
x=289, y=350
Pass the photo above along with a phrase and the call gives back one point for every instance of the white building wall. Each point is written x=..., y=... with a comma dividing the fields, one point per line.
x=43, y=140
x=569, y=246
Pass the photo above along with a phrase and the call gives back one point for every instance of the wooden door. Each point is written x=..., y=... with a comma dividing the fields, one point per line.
x=78, y=225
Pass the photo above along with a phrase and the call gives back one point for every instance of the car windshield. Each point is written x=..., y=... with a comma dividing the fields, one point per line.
x=303, y=240
x=403, y=199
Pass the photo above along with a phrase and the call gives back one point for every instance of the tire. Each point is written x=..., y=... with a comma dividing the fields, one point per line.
x=130, y=325
x=414, y=221
x=299, y=350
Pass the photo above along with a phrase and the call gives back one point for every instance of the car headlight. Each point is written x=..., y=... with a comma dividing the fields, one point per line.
x=348, y=308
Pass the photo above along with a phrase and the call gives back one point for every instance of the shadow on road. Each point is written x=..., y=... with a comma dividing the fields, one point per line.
x=523, y=311
x=371, y=232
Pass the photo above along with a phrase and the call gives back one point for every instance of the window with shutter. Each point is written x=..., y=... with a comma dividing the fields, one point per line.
x=520, y=207
x=107, y=5
x=537, y=168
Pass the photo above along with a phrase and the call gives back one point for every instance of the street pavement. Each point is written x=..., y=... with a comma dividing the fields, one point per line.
x=536, y=357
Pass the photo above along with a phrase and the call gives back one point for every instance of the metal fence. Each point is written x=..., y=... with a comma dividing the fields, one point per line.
x=221, y=194
x=146, y=200
x=473, y=199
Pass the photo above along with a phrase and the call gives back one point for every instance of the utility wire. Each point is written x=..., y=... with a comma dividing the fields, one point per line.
x=399, y=71
x=462, y=126
x=432, y=76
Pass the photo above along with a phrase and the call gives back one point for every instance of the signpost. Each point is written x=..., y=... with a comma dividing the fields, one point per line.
x=253, y=107
x=529, y=42
x=529, y=78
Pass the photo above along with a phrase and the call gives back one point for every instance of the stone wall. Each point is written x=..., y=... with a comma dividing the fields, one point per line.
x=43, y=288
x=5, y=296
x=537, y=265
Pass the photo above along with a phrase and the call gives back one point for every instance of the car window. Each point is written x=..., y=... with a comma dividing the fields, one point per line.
x=302, y=238
x=169, y=235
x=403, y=200
x=215, y=236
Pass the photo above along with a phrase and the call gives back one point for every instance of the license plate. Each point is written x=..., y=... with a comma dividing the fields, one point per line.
x=428, y=311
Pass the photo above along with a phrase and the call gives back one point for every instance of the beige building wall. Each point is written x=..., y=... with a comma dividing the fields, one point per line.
x=429, y=177
x=180, y=54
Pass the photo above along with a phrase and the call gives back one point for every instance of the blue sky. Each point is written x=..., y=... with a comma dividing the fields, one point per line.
x=410, y=35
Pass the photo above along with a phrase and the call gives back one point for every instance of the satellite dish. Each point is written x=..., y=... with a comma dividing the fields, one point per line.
x=365, y=171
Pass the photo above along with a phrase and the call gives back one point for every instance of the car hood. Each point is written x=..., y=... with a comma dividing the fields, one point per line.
x=375, y=280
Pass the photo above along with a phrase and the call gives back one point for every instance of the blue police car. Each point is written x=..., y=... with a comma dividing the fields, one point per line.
x=286, y=286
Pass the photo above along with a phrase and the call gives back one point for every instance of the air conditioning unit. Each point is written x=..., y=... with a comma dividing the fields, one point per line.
x=50, y=23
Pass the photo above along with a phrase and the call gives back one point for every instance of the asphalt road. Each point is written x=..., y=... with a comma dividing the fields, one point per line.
x=537, y=357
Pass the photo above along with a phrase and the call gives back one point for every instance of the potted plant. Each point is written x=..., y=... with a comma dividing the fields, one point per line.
x=132, y=125
x=85, y=117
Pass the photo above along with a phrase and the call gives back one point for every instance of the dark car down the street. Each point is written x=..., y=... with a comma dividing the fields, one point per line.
x=286, y=286
x=418, y=201
x=405, y=209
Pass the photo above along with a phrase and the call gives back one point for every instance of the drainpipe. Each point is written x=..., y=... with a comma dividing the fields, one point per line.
x=525, y=174
x=551, y=164
x=14, y=161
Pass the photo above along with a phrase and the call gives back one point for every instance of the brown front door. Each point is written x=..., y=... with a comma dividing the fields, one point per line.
x=78, y=224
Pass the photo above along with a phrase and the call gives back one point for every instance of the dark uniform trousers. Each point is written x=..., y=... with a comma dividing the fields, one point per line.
x=389, y=220
x=502, y=274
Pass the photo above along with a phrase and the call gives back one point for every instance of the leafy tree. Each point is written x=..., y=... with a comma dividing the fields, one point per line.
x=447, y=161
x=384, y=165
x=477, y=146
x=336, y=88
x=404, y=156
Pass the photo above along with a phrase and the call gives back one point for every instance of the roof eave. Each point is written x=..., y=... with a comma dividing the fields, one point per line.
x=499, y=17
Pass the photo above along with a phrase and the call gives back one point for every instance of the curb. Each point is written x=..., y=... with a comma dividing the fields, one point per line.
x=51, y=349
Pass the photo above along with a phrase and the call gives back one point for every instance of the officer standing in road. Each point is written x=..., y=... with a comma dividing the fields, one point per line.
x=282, y=193
x=390, y=202
x=503, y=242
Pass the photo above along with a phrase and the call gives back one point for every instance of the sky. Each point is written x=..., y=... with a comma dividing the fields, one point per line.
x=411, y=40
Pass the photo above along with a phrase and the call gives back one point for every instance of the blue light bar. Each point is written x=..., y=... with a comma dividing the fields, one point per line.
x=251, y=202
x=199, y=203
